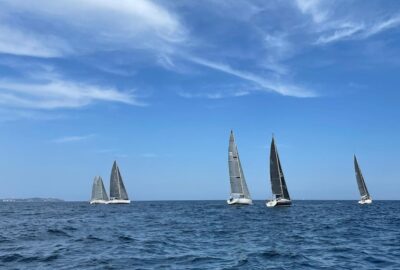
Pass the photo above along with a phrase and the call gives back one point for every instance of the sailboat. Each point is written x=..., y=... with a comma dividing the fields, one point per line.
x=118, y=194
x=365, y=197
x=278, y=183
x=239, y=192
x=99, y=194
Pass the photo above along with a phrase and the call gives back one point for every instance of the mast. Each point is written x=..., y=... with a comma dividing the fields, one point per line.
x=360, y=180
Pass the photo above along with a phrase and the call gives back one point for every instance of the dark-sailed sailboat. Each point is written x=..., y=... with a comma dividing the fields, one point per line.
x=239, y=192
x=278, y=183
x=365, y=197
x=118, y=194
x=99, y=194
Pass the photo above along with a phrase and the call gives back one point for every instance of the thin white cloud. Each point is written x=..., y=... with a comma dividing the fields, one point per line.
x=91, y=25
x=11, y=114
x=58, y=94
x=215, y=95
x=69, y=139
x=18, y=42
x=313, y=8
x=332, y=25
x=356, y=30
x=382, y=26
x=265, y=84
x=344, y=31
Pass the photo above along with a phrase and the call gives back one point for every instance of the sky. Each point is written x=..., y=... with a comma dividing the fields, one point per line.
x=158, y=85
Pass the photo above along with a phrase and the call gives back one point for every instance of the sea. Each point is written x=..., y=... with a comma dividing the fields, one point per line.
x=200, y=235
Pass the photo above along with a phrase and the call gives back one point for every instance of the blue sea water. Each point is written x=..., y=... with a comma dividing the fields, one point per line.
x=200, y=235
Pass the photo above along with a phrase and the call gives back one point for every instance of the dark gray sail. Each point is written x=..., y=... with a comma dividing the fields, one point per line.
x=278, y=183
x=98, y=190
x=237, y=179
x=117, y=187
x=360, y=180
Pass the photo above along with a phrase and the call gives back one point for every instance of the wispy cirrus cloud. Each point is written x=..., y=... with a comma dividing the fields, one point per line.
x=59, y=94
x=70, y=139
x=213, y=95
x=332, y=25
x=343, y=31
x=78, y=28
x=264, y=83
x=22, y=42
x=119, y=24
x=357, y=30
x=381, y=26
x=315, y=8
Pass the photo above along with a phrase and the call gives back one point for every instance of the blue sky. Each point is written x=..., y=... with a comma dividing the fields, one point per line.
x=158, y=85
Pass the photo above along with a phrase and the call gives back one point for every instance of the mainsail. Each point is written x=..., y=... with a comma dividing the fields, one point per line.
x=98, y=190
x=360, y=180
x=278, y=183
x=237, y=180
x=117, y=187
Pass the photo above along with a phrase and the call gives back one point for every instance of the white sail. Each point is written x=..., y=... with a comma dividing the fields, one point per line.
x=99, y=194
x=239, y=191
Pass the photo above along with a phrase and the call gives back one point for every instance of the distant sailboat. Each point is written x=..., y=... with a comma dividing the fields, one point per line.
x=99, y=194
x=118, y=194
x=278, y=183
x=365, y=197
x=239, y=192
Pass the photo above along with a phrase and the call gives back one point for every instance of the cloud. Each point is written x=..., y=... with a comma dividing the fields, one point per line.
x=265, y=84
x=382, y=26
x=69, y=139
x=334, y=22
x=7, y=114
x=313, y=8
x=357, y=30
x=343, y=31
x=18, y=42
x=59, y=94
x=89, y=25
x=215, y=95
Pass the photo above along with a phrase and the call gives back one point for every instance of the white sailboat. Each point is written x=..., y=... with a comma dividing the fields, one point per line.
x=239, y=192
x=118, y=194
x=99, y=194
x=278, y=183
x=365, y=197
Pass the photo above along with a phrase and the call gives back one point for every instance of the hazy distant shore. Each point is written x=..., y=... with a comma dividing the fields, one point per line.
x=31, y=200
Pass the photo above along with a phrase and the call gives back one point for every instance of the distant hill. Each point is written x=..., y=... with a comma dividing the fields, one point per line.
x=31, y=200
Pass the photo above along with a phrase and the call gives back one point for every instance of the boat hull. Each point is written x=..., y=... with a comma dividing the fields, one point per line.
x=98, y=202
x=242, y=201
x=279, y=202
x=119, y=201
x=367, y=201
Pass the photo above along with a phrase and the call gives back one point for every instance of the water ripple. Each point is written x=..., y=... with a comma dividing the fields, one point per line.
x=200, y=235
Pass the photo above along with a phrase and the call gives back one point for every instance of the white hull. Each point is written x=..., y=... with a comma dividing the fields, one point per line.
x=119, y=201
x=98, y=202
x=244, y=201
x=367, y=201
x=279, y=202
